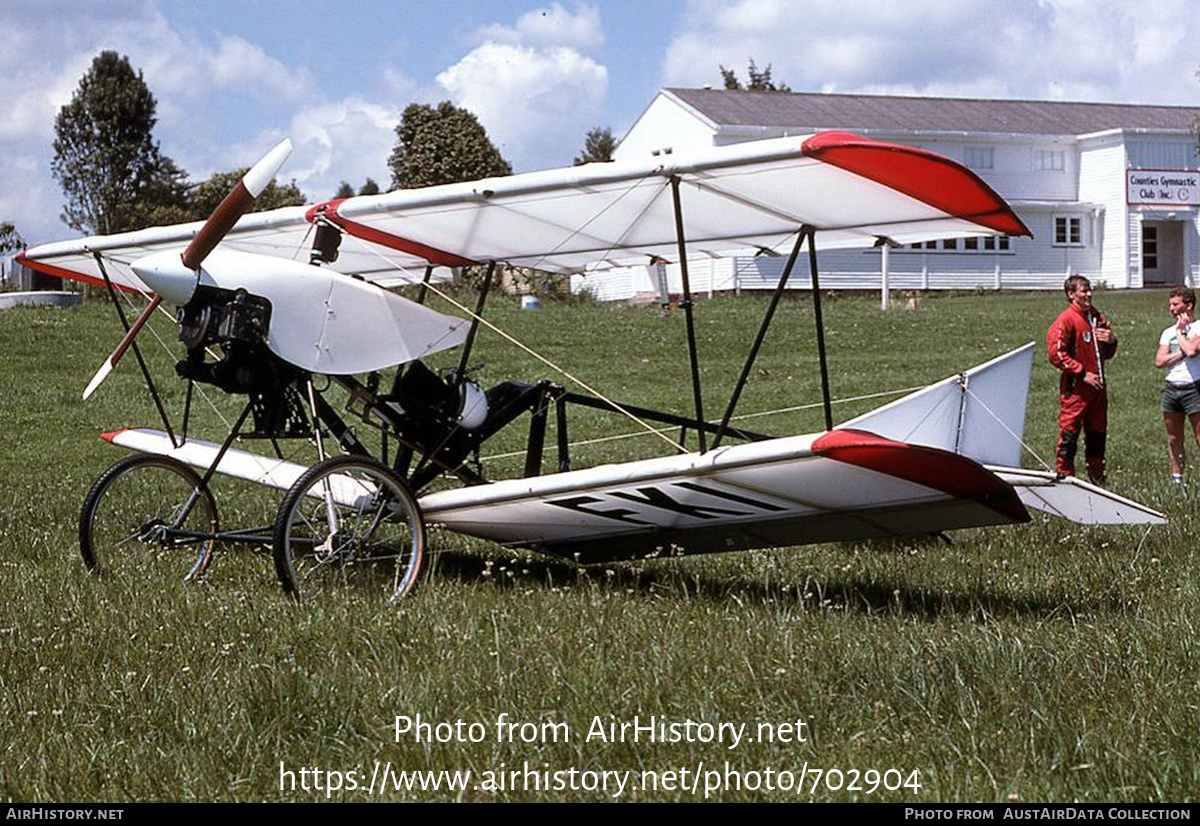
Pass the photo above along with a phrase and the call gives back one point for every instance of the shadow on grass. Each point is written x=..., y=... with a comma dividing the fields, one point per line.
x=838, y=593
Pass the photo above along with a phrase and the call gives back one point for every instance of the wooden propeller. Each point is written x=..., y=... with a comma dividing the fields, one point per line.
x=237, y=203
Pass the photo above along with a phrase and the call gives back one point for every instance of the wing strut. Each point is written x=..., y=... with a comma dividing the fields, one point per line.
x=460, y=376
x=425, y=284
x=687, y=314
x=808, y=232
x=816, y=290
x=762, y=334
x=475, y=318
x=128, y=342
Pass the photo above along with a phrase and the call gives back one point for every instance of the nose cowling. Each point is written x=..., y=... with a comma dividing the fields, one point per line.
x=166, y=274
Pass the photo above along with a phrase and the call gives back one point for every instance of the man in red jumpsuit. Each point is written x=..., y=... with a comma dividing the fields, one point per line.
x=1078, y=343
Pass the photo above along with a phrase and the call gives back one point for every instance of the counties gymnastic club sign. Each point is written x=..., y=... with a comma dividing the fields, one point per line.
x=1162, y=187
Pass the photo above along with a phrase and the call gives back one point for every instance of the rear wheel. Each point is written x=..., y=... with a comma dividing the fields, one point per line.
x=148, y=516
x=349, y=524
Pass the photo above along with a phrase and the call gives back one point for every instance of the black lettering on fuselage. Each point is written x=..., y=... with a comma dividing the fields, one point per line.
x=732, y=497
x=576, y=503
x=656, y=498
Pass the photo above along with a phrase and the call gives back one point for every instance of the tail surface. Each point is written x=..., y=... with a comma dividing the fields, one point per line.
x=980, y=414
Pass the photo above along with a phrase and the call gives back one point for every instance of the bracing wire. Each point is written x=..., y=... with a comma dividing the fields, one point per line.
x=1009, y=430
x=167, y=349
x=743, y=417
x=646, y=426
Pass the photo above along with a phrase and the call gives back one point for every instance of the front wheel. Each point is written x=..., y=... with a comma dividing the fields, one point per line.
x=148, y=516
x=349, y=523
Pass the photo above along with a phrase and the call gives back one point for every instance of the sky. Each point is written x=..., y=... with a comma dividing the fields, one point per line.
x=232, y=78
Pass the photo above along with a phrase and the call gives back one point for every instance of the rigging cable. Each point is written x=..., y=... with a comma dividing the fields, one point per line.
x=530, y=351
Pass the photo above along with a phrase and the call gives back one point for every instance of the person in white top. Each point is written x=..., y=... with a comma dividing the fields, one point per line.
x=1179, y=353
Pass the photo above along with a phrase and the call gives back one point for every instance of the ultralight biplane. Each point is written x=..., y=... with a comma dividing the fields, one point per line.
x=267, y=301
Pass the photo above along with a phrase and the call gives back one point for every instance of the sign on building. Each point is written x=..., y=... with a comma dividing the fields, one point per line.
x=1162, y=187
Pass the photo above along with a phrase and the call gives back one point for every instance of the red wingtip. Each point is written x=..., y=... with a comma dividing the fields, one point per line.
x=925, y=176
x=950, y=473
x=112, y=436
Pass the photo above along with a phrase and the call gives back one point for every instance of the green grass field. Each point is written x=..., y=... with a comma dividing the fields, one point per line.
x=1046, y=662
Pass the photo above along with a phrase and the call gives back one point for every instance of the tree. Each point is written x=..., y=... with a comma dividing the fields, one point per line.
x=165, y=200
x=208, y=194
x=108, y=164
x=10, y=239
x=442, y=146
x=597, y=146
x=760, y=81
x=369, y=187
x=1196, y=120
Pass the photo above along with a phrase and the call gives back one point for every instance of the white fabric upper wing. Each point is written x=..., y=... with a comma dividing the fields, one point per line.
x=748, y=197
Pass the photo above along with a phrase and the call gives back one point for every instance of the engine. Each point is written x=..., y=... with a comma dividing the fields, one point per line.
x=234, y=324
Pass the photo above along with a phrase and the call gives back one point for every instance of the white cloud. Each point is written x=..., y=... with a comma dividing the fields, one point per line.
x=532, y=84
x=1076, y=49
x=45, y=48
x=398, y=86
x=345, y=141
x=550, y=26
x=232, y=63
x=536, y=104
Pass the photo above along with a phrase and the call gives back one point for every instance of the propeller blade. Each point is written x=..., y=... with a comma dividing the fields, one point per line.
x=122, y=346
x=236, y=204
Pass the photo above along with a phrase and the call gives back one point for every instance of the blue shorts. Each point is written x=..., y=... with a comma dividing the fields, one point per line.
x=1181, y=398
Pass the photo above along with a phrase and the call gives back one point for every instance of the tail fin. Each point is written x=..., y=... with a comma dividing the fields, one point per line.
x=979, y=414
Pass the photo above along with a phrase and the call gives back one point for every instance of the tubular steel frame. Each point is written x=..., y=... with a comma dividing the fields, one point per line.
x=455, y=446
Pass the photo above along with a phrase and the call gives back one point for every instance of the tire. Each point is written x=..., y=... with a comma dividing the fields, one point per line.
x=378, y=547
x=125, y=526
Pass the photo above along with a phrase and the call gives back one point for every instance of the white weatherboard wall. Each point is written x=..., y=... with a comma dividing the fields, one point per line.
x=667, y=125
x=1079, y=178
x=1151, y=151
x=1102, y=180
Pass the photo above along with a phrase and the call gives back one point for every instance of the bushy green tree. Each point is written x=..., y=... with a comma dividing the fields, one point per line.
x=165, y=200
x=105, y=158
x=208, y=194
x=10, y=239
x=442, y=145
x=369, y=187
x=597, y=146
x=760, y=80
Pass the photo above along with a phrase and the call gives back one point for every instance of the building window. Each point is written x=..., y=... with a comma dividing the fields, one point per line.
x=979, y=157
x=1068, y=231
x=1049, y=160
x=989, y=243
x=1149, y=248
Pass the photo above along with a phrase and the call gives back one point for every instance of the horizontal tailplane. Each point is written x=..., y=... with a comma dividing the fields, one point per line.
x=1074, y=499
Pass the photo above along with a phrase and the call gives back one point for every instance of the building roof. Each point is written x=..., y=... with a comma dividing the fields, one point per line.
x=811, y=111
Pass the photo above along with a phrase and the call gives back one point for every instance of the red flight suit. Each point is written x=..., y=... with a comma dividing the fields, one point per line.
x=1072, y=347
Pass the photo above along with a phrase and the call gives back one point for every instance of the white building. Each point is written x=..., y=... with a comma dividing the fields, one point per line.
x=1108, y=190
